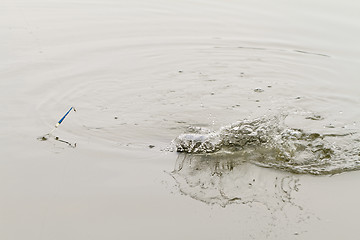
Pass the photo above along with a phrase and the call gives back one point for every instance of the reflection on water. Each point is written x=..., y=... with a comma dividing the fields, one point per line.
x=226, y=179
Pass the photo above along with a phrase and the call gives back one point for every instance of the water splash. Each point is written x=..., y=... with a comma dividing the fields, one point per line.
x=268, y=142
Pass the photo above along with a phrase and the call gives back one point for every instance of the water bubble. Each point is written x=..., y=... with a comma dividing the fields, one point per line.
x=258, y=90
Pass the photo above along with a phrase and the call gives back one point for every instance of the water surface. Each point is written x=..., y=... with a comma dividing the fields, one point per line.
x=259, y=96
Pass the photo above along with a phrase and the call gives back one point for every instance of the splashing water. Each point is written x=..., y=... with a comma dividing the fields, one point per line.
x=268, y=142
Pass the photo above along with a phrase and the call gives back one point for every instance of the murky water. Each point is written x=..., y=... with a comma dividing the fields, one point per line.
x=241, y=88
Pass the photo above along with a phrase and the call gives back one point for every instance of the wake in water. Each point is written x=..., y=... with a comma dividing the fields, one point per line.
x=268, y=142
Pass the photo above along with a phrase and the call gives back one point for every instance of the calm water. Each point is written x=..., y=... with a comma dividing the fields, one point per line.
x=251, y=93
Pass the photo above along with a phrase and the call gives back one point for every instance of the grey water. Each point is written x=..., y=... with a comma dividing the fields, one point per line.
x=196, y=114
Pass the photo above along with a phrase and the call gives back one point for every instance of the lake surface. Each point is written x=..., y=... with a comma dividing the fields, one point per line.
x=194, y=119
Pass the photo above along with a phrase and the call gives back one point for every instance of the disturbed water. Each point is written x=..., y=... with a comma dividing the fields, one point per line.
x=269, y=143
x=212, y=165
x=250, y=97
